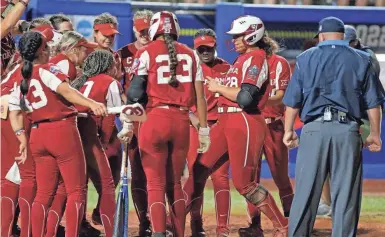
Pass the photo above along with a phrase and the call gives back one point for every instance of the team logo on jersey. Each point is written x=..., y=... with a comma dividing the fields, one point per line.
x=253, y=72
x=54, y=69
x=284, y=83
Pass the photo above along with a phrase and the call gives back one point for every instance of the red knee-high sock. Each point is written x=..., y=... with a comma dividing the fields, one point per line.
x=177, y=209
x=157, y=210
x=9, y=193
x=74, y=216
x=222, y=205
x=39, y=216
x=286, y=196
x=55, y=214
x=107, y=211
x=26, y=197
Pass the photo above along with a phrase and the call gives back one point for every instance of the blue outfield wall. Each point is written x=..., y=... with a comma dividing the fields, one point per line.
x=289, y=25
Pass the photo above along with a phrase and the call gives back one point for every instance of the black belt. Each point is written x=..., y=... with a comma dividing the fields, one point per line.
x=335, y=115
x=36, y=124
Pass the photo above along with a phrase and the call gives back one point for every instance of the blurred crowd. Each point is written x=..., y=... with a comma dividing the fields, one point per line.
x=289, y=2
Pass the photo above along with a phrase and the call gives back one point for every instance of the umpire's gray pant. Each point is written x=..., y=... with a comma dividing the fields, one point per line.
x=328, y=147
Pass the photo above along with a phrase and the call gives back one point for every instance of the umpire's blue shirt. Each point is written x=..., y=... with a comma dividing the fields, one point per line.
x=333, y=74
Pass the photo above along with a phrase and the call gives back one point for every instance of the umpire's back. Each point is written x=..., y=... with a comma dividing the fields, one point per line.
x=332, y=86
x=335, y=75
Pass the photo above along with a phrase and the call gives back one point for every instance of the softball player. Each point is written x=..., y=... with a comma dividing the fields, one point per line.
x=72, y=51
x=168, y=79
x=95, y=83
x=105, y=30
x=212, y=66
x=72, y=48
x=275, y=151
x=47, y=97
x=14, y=193
x=27, y=186
x=244, y=93
x=138, y=178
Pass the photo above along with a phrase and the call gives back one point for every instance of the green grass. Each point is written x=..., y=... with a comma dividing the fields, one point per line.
x=372, y=207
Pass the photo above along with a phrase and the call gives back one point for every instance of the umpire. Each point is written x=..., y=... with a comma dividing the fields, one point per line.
x=331, y=87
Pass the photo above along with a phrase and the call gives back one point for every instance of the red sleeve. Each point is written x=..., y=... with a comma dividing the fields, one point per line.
x=106, y=127
x=255, y=71
x=283, y=73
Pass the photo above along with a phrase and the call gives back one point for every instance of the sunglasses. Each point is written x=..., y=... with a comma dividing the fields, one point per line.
x=202, y=49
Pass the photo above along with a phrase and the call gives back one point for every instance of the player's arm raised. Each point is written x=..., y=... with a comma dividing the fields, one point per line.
x=75, y=97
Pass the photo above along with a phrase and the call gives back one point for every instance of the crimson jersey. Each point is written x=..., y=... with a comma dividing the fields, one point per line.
x=8, y=49
x=11, y=80
x=65, y=65
x=42, y=100
x=153, y=61
x=218, y=72
x=103, y=89
x=127, y=53
x=279, y=77
x=250, y=68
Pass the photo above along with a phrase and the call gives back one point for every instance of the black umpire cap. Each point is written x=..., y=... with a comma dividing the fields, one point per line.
x=330, y=24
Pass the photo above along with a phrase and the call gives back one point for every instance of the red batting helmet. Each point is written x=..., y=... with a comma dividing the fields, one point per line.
x=163, y=22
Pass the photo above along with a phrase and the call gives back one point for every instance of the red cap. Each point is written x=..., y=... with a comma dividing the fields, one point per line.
x=142, y=24
x=85, y=43
x=46, y=30
x=107, y=29
x=204, y=40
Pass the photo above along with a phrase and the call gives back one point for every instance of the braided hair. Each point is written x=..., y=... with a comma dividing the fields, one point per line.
x=99, y=61
x=169, y=40
x=29, y=44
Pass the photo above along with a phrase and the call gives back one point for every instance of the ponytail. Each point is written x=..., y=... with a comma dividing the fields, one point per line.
x=269, y=45
x=169, y=40
x=98, y=62
x=29, y=45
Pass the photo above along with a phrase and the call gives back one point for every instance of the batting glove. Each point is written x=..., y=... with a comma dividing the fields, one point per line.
x=125, y=135
x=124, y=118
x=204, y=139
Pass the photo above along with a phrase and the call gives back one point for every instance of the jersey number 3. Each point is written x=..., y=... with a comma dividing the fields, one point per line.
x=38, y=93
x=163, y=72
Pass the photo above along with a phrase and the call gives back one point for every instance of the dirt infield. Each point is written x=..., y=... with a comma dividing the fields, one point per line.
x=369, y=225
x=322, y=227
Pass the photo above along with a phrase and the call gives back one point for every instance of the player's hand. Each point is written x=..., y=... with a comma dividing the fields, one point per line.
x=373, y=142
x=124, y=118
x=204, y=140
x=125, y=135
x=212, y=84
x=98, y=109
x=194, y=120
x=23, y=154
x=290, y=139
